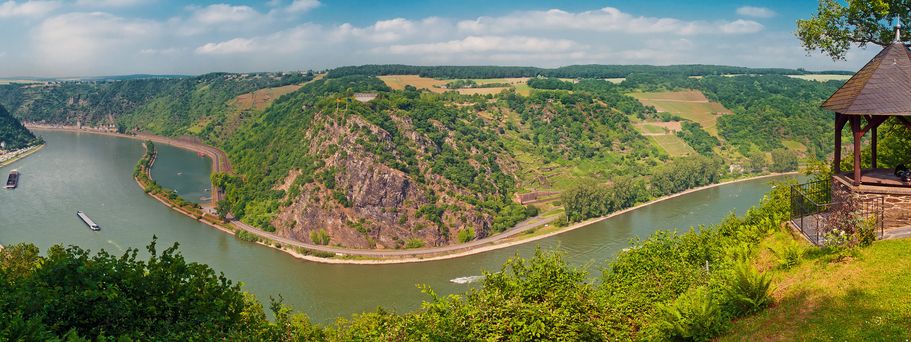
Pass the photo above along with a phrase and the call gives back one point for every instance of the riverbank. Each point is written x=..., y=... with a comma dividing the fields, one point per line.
x=333, y=255
x=218, y=157
x=15, y=156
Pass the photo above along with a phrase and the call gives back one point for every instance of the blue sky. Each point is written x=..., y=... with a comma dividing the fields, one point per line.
x=108, y=37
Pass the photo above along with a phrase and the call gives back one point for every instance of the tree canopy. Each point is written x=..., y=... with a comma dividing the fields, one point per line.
x=837, y=25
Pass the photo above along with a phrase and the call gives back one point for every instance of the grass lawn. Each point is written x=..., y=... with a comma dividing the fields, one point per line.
x=688, y=104
x=866, y=298
x=671, y=144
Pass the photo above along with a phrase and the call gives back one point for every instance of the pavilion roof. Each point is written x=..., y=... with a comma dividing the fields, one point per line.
x=882, y=87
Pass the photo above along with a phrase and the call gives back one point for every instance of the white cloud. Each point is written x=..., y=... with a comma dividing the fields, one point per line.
x=223, y=37
x=236, y=45
x=740, y=26
x=300, y=6
x=222, y=13
x=27, y=8
x=476, y=44
x=607, y=19
x=108, y=3
x=80, y=40
x=756, y=12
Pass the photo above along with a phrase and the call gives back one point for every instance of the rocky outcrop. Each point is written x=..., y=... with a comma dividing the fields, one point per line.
x=367, y=203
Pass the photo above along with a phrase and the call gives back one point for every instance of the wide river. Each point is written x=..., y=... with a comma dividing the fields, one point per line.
x=93, y=173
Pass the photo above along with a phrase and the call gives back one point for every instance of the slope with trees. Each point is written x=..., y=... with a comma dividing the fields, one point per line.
x=13, y=135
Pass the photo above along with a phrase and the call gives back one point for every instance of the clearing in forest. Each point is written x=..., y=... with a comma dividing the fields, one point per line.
x=262, y=98
x=822, y=78
x=688, y=104
x=672, y=144
x=398, y=82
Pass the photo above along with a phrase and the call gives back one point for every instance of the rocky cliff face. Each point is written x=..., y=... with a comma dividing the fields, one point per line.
x=370, y=204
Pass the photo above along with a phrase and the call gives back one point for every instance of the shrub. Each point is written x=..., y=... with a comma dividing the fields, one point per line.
x=788, y=255
x=414, y=243
x=319, y=237
x=694, y=316
x=466, y=235
x=749, y=290
x=246, y=236
x=866, y=231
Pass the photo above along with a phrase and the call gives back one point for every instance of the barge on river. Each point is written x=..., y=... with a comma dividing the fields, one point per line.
x=85, y=218
x=13, y=181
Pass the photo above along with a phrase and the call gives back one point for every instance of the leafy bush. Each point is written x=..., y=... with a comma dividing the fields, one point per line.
x=414, y=243
x=749, y=290
x=694, y=316
x=320, y=237
x=466, y=235
x=866, y=231
x=788, y=255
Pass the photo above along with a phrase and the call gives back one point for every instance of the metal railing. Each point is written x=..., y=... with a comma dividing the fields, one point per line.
x=814, y=212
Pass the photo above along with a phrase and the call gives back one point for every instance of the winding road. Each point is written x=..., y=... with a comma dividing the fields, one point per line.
x=523, y=226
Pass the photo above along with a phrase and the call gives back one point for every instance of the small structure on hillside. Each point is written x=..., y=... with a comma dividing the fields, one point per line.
x=879, y=92
x=364, y=97
x=533, y=197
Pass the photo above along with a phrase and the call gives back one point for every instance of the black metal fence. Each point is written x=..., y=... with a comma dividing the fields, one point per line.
x=814, y=212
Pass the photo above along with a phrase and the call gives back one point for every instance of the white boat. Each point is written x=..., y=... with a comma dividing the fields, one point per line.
x=85, y=218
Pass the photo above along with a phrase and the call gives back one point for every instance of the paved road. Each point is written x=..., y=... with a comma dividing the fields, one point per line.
x=432, y=251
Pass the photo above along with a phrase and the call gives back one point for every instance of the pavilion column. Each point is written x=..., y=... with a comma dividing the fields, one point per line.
x=873, y=147
x=840, y=121
x=858, y=136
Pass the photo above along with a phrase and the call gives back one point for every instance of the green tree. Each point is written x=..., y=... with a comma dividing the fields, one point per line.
x=837, y=26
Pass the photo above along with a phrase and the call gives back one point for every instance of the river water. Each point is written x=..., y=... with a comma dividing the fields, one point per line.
x=93, y=173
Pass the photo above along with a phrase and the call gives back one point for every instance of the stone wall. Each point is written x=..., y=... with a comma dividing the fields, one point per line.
x=896, y=200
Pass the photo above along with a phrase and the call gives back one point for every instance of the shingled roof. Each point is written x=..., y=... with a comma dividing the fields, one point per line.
x=882, y=87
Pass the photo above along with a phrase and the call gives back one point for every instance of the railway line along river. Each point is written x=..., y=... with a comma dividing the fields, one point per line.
x=93, y=173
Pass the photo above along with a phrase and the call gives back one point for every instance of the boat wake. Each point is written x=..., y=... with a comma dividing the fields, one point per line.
x=466, y=280
x=115, y=245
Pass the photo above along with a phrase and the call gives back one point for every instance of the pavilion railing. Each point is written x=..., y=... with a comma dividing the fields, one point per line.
x=812, y=210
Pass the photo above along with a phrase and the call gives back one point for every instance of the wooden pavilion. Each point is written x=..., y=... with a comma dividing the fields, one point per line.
x=880, y=91
x=877, y=93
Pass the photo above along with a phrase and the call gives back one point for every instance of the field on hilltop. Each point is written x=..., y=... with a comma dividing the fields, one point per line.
x=688, y=104
x=822, y=77
x=399, y=82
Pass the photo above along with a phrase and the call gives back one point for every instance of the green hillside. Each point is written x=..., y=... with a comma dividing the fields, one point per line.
x=13, y=135
x=414, y=167
x=161, y=105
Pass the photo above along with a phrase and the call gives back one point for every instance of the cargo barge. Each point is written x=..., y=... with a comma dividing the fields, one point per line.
x=13, y=181
x=85, y=218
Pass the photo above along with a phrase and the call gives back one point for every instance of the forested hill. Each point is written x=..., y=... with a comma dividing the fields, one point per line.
x=426, y=165
x=572, y=71
x=162, y=105
x=13, y=135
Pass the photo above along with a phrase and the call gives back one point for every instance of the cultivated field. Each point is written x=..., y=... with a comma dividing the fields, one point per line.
x=10, y=81
x=822, y=78
x=399, y=82
x=673, y=145
x=659, y=128
x=262, y=98
x=688, y=104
